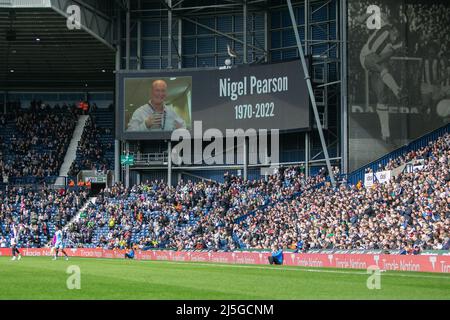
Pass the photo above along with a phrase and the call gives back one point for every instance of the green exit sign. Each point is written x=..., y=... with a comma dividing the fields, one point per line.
x=127, y=159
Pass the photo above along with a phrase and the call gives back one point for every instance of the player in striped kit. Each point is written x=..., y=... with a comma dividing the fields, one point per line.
x=432, y=75
x=59, y=243
x=14, y=240
x=443, y=106
x=374, y=58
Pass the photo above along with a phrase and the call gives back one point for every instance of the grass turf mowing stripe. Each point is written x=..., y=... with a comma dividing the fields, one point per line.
x=42, y=278
x=324, y=270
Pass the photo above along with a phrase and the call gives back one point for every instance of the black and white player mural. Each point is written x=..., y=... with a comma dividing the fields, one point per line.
x=398, y=73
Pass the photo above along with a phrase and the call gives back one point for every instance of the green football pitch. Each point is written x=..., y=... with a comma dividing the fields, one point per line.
x=42, y=278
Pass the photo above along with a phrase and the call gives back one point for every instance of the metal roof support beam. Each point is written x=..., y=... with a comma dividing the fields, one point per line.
x=177, y=4
x=252, y=4
x=266, y=35
x=323, y=5
x=343, y=88
x=117, y=68
x=311, y=93
x=244, y=30
x=230, y=4
x=127, y=37
x=122, y=4
x=91, y=8
x=180, y=43
x=180, y=8
x=323, y=54
x=139, y=40
x=307, y=26
x=223, y=34
x=169, y=38
x=92, y=21
x=204, y=7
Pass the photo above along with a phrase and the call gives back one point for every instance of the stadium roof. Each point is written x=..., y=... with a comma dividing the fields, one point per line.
x=38, y=50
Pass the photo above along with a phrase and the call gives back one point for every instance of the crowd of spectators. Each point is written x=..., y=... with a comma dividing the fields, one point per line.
x=36, y=213
x=34, y=140
x=91, y=150
x=188, y=216
x=39, y=140
x=409, y=213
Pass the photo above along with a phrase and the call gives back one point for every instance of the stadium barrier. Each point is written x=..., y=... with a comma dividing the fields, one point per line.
x=358, y=175
x=418, y=263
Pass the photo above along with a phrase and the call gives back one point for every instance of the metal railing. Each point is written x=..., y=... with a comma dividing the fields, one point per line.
x=150, y=158
x=32, y=183
x=358, y=175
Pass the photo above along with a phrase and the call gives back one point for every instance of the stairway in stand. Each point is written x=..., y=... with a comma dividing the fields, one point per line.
x=71, y=153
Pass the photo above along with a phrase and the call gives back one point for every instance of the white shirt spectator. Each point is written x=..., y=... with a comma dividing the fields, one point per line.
x=3, y=242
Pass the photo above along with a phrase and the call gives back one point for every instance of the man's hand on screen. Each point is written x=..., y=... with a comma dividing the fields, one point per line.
x=153, y=120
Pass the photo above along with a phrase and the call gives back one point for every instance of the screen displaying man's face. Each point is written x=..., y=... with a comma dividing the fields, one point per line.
x=152, y=105
x=159, y=92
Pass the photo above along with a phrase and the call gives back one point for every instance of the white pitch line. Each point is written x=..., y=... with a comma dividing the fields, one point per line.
x=384, y=272
x=295, y=269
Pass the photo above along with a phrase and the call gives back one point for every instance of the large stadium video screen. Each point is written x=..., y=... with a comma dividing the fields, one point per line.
x=151, y=105
x=398, y=73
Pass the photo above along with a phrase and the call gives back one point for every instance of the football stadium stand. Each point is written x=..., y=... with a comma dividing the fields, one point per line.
x=409, y=212
x=34, y=142
x=399, y=203
x=96, y=148
x=37, y=212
